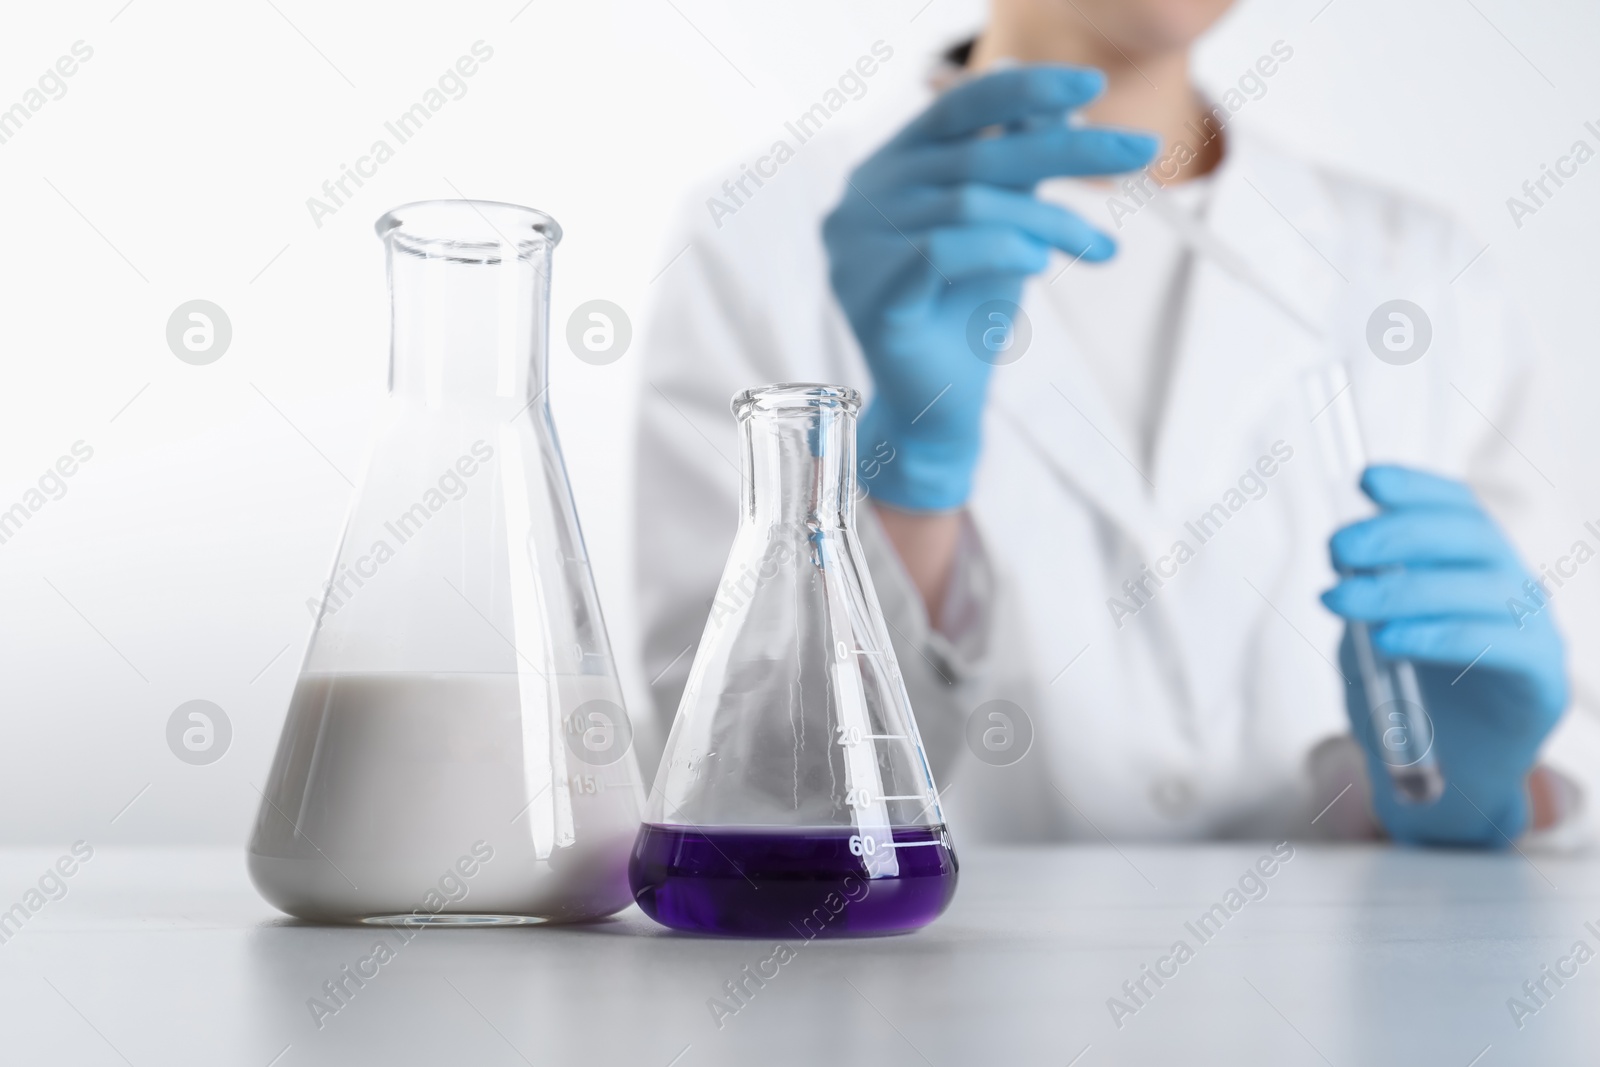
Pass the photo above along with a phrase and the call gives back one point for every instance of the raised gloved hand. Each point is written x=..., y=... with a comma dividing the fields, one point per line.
x=939, y=221
x=1434, y=577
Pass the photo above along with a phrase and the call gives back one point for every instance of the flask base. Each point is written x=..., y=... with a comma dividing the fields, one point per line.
x=793, y=882
x=448, y=919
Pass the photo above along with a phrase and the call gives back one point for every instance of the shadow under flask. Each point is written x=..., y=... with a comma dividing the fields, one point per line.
x=794, y=797
x=456, y=749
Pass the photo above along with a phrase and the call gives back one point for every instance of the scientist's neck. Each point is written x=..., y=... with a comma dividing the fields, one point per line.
x=1148, y=91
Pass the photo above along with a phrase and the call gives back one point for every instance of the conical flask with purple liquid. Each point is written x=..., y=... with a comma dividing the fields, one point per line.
x=794, y=798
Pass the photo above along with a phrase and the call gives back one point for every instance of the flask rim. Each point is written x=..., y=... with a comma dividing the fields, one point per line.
x=467, y=231
x=795, y=398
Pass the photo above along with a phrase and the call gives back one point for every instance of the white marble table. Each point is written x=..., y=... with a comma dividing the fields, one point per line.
x=1353, y=956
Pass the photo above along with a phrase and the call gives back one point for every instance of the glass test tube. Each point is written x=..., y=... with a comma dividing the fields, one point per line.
x=1400, y=721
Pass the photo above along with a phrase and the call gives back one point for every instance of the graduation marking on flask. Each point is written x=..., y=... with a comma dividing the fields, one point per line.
x=850, y=736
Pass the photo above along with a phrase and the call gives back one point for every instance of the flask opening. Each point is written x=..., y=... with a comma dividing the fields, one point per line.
x=798, y=443
x=798, y=398
x=469, y=291
x=468, y=231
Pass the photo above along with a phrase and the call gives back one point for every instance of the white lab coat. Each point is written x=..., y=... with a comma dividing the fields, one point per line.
x=1195, y=716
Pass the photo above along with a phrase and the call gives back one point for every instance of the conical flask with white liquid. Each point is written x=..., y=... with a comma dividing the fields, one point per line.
x=456, y=749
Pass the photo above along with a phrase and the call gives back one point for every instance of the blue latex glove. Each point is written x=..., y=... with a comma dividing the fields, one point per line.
x=938, y=221
x=1434, y=577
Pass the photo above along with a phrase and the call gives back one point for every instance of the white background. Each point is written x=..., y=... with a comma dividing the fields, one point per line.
x=178, y=164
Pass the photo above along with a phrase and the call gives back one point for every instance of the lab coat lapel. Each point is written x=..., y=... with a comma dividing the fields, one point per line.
x=1238, y=354
x=1050, y=398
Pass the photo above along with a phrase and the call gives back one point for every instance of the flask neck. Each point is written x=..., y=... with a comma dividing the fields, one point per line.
x=799, y=467
x=469, y=286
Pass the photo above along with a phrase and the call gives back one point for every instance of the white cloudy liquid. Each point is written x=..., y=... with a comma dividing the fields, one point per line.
x=385, y=783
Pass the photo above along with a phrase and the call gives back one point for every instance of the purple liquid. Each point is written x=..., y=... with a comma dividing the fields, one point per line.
x=792, y=882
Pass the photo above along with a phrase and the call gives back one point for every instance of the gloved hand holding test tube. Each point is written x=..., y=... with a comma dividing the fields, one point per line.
x=1434, y=570
x=1401, y=726
x=1400, y=720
